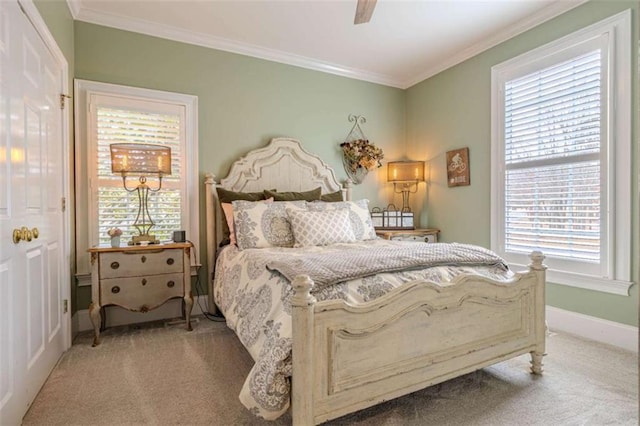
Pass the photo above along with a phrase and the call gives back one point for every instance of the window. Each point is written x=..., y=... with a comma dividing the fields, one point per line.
x=118, y=114
x=561, y=157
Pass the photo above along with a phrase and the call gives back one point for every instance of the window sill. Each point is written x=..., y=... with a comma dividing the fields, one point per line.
x=586, y=282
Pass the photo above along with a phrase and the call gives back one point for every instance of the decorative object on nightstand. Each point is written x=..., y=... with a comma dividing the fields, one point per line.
x=405, y=176
x=141, y=160
x=359, y=156
x=391, y=218
x=427, y=235
x=139, y=278
x=115, y=234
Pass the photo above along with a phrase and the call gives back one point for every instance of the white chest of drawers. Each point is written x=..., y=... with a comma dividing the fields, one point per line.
x=139, y=278
x=429, y=235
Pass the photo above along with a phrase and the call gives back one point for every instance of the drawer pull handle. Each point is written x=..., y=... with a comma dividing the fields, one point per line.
x=143, y=258
x=170, y=284
x=130, y=252
x=170, y=261
x=115, y=289
x=144, y=281
x=144, y=309
x=115, y=265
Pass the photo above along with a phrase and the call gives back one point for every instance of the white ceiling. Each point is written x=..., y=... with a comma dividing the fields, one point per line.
x=405, y=42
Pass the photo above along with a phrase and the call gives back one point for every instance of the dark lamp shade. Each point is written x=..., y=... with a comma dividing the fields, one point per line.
x=140, y=159
x=405, y=171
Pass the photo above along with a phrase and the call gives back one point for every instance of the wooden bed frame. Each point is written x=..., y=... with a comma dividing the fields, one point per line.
x=346, y=358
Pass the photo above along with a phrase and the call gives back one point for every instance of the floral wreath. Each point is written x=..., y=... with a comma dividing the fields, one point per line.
x=361, y=154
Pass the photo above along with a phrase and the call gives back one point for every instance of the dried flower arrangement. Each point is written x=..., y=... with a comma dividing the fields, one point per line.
x=361, y=154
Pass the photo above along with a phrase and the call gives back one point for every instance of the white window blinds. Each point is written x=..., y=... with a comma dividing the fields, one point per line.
x=561, y=157
x=116, y=206
x=552, y=160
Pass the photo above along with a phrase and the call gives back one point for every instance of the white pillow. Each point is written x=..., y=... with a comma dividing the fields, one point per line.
x=227, y=208
x=320, y=228
x=260, y=225
x=358, y=215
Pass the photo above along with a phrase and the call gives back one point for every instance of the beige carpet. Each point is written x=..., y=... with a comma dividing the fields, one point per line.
x=159, y=374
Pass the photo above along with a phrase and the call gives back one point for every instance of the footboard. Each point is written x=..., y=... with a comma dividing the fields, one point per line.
x=346, y=358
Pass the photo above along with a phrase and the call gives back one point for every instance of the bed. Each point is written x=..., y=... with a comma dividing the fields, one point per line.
x=341, y=356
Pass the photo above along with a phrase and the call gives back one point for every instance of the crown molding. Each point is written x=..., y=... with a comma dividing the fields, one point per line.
x=176, y=34
x=142, y=26
x=544, y=15
x=75, y=6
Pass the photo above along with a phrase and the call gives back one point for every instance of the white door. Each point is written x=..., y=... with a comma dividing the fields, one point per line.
x=32, y=324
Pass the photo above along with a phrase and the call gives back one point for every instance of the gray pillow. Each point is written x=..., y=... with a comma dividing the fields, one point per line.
x=332, y=197
x=312, y=195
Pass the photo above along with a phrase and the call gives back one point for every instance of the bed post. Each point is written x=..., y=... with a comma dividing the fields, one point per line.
x=539, y=269
x=211, y=203
x=346, y=191
x=302, y=351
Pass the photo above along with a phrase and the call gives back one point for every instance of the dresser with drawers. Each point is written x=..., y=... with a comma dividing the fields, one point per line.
x=139, y=278
x=427, y=235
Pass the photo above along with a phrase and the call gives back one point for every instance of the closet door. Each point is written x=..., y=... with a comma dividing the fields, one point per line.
x=31, y=217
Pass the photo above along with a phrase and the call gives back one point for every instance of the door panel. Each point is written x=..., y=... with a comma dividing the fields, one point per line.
x=6, y=334
x=34, y=163
x=32, y=327
x=55, y=291
x=35, y=306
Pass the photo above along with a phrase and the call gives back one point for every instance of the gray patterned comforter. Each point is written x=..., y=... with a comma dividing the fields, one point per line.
x=347, y=262
x=256, y=300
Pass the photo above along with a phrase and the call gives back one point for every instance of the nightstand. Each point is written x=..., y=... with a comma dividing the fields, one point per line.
x=139, y=278
x=428, y=235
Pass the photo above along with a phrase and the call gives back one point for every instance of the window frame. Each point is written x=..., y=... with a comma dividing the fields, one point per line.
x=85, y=90
x=615, y=152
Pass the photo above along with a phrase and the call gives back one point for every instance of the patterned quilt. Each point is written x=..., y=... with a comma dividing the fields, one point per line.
x=256, y=302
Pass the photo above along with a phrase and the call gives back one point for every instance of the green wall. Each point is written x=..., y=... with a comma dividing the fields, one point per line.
x=244, y=102
x=453, y=110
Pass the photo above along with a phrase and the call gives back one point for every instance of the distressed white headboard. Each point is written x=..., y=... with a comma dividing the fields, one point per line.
x=282, y=165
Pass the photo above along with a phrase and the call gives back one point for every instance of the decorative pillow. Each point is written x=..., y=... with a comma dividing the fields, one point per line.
x=320, y=228
x=312, y=195
x=260, y=225
x=226, y=196
x=228, y=214
x=358, y=214
x=332, y=197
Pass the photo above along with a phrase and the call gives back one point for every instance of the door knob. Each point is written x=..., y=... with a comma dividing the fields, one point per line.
x=17, y=235
x=26, y=233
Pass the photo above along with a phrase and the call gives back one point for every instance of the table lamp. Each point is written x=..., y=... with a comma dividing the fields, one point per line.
x=405, y=176
x=141, y=160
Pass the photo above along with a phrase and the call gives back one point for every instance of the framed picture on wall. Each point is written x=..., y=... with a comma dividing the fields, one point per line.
x=458, y=167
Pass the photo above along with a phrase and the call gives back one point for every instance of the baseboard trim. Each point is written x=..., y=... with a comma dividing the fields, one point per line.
x=598, y=329
x=601, y=330
x=118, y=316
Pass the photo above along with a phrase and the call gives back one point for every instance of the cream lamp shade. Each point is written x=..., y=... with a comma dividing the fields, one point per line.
x=140, y=159
x=405, y=171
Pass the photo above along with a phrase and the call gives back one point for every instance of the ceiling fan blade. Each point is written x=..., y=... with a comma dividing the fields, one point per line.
x=364, y=10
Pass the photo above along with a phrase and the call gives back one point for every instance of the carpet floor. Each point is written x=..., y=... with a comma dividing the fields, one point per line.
x=159, y=374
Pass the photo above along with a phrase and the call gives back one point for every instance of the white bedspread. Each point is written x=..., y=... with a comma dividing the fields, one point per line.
x=256, y=304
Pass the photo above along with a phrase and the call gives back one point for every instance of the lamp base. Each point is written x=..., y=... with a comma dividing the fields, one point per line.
x=137, y=240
